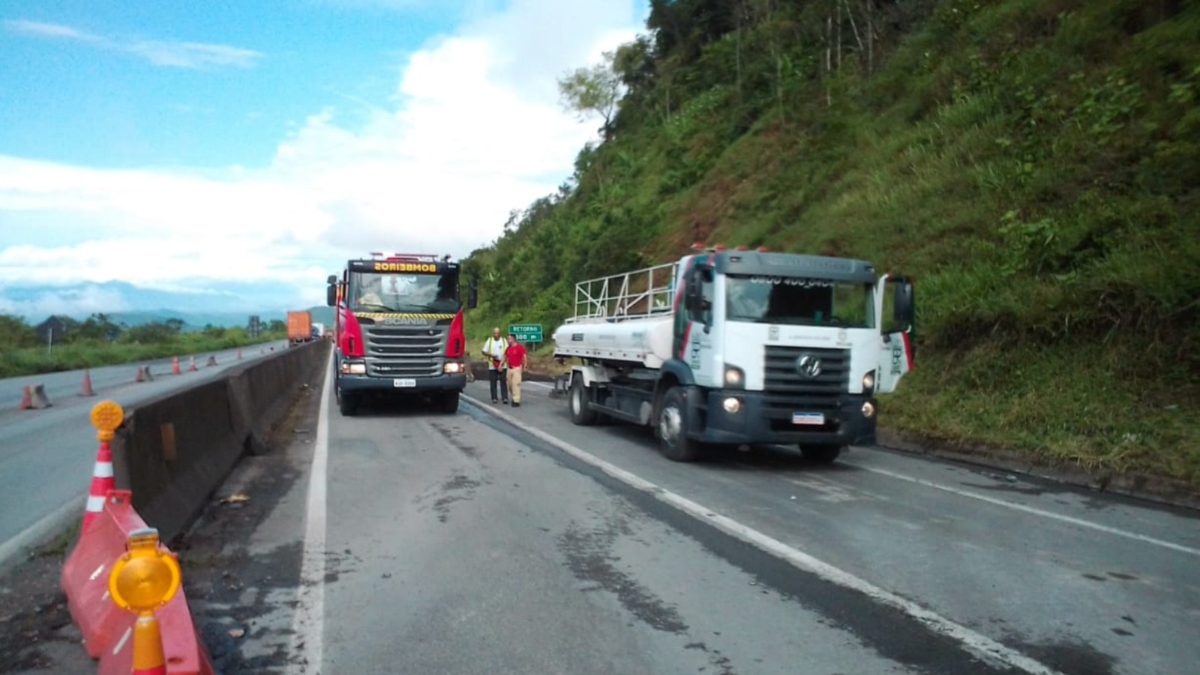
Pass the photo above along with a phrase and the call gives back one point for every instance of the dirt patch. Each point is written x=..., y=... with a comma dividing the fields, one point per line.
x=36, y=633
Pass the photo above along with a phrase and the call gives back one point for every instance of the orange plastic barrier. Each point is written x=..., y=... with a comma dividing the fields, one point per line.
x=107, y=629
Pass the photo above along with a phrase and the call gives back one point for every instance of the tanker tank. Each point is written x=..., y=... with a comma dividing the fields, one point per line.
x=645, y=341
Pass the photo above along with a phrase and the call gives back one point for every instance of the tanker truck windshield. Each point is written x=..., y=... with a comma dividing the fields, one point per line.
x=799, y=301
x=393, y=292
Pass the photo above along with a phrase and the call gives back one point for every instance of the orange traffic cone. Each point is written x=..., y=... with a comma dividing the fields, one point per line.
x=27, y=398
x=141, y=374
x=87, y=384
x=239, y=353
x=102, y=479
x=148, y=656
x=192, y=364
x=175, y=366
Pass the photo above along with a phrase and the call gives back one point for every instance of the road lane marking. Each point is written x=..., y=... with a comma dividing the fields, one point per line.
x=976, y=643
x=828, y=490
x=308, y=625
x=1030, y=510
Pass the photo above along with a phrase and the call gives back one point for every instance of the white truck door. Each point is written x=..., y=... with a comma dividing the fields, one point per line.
x=896, y=307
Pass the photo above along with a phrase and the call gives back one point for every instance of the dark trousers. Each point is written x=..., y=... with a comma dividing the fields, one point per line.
x=493, y=376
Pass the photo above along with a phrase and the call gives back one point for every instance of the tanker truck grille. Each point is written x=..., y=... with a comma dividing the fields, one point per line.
x=792, y=384
x=408, y=351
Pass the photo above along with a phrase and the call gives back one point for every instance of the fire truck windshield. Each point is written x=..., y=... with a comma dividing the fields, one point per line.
x=391, y=292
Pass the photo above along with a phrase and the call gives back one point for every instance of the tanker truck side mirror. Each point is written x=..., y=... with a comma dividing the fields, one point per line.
x=903, y=305
x=472, y=293
x=331, y=291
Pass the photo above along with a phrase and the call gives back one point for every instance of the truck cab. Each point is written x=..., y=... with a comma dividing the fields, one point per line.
x=398, y=330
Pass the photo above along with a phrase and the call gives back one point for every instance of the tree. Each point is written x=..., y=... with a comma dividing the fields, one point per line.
x=277, y=326
x=15, y=333
x=593, y=90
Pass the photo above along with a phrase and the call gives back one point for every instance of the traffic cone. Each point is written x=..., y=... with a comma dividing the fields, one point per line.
x=87, y=384
x=192, y=364
x=27, y=399
x=102, y=482
x=239, y=358
x=175, y=366
x=148, y=656
x=141, y=374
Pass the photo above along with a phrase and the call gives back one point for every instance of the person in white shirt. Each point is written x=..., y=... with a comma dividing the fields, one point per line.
x=493, y=349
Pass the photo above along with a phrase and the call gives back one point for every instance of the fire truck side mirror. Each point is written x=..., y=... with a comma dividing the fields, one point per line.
x=331, y=291
x=472, y=293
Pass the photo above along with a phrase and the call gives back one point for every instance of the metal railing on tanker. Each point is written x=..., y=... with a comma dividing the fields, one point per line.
x=641, y=293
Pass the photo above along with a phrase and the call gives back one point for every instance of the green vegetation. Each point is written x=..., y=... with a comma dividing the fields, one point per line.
x=1034, y=163
x=97, y=341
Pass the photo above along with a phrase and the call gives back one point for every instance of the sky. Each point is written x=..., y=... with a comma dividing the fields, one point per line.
x=248, y=149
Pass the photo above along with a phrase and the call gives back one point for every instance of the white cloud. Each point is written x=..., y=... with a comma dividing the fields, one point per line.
x=81, y=302
x=474, y=130
x=159, y=52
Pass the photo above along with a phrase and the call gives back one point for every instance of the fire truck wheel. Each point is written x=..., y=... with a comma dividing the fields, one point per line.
x=820, y=454
x=581, y=409
x=672, y=429
x=450, y=403
x=347, y=405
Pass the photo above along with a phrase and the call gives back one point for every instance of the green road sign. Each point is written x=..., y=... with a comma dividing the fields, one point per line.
x=527, y=332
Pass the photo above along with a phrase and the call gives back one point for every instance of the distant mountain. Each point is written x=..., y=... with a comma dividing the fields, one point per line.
x=219, y=304
x=193, y=320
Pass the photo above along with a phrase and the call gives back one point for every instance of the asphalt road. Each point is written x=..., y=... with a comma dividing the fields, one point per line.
x=412, y=541
x=509, y=540
x=47, y=456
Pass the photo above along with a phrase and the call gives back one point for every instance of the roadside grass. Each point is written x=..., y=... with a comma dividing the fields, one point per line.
x=1085, y=405
x=73, y=356
x=57, y=547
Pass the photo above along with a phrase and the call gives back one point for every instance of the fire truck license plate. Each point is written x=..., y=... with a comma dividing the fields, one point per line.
x=404, y=383
x=808, y=418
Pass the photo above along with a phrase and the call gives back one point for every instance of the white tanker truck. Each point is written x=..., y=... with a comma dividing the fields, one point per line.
x=740, y=347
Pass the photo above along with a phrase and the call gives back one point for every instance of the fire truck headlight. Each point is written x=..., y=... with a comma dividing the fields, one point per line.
x=349, y=368
x=453, y=368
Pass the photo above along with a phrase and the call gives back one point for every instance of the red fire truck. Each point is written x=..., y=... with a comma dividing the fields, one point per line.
x=399, y=330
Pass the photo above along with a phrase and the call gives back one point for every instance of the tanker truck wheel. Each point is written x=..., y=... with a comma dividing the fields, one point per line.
x=672, y=427
x=820, y=454
x=581, y=409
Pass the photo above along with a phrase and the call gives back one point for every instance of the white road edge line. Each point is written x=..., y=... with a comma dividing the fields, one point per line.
x=976, y=643
x=1030, y=510
x=42, y=530
x=308, y=625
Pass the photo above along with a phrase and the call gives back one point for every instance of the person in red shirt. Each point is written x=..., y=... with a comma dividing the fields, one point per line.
x=514, y=360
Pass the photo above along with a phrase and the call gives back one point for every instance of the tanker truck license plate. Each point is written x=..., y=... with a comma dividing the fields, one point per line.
x=808, y=418
x=404, y=383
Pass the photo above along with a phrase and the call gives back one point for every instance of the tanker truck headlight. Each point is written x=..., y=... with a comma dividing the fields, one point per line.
x=734, y=378
x=868, y=382
x=868, y=410
x=732, y=405
x=453, y=367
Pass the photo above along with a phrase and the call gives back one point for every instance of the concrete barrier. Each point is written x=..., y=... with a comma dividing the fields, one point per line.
x=173, y=452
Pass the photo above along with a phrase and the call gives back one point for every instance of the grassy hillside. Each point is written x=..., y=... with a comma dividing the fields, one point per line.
x=1035, y=163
